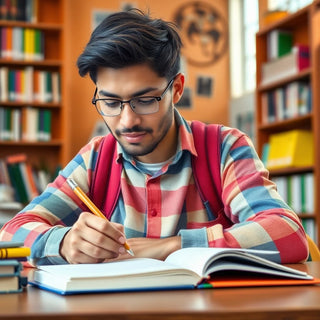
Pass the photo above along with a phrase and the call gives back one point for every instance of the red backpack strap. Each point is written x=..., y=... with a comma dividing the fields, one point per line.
x=105, y=187
x=206, y=169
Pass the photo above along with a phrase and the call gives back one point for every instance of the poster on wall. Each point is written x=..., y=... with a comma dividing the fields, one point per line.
x=99, y=14
x=204, y=32
x=204, y=86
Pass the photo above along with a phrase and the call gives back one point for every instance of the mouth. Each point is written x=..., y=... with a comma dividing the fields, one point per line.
x=133, y=137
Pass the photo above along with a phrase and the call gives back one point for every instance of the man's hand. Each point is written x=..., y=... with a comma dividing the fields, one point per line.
x=151, y=248
x=92, y=239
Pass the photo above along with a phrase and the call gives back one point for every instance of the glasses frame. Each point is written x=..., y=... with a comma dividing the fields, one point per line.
x=122, y=102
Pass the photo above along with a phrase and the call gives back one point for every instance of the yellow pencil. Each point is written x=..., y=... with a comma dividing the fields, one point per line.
x=94, y=209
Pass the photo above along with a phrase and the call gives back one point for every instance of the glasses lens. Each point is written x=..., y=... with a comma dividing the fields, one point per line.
x=145, y=105
x=109, y=107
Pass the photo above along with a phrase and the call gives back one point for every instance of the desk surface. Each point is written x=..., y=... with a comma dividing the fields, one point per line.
x=296, y=302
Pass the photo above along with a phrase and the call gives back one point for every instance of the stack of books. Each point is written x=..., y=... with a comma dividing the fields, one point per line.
x=287, y=65
x=11, y=253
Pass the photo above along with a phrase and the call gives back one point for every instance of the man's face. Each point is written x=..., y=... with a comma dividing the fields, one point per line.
x=151, y=137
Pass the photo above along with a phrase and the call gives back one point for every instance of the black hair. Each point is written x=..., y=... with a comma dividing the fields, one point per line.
x=129, y=38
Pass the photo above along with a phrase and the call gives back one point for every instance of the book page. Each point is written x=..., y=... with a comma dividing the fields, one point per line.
x=208, y=260
x=198, y=259
x=130, y=267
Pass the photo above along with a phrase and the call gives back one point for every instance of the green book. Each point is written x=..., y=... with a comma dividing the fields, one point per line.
x=8, y=124
x=15, y=173
x=48, y=87
x=280, y=43
x=38, y=42
x=47, y=125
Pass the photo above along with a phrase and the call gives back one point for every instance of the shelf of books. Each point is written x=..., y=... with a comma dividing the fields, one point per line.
x=32, y=114
x=287, y=110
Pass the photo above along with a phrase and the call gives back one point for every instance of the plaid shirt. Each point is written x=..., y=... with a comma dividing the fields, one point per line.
x=168, y=203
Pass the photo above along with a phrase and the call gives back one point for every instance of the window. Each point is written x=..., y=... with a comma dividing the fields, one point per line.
x=243, y=25
x=287, y=5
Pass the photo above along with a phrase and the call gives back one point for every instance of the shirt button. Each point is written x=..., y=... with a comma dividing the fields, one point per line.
x=153, y=212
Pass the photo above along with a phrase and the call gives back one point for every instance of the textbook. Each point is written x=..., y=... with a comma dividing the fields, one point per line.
x=10, y=278
x=186, y=268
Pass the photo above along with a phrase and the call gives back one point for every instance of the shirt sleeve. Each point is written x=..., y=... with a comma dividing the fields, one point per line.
x=193, y=238
x=262, y=220
x=43, y=223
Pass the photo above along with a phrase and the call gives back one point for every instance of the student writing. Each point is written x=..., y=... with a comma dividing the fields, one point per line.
x=134, y=62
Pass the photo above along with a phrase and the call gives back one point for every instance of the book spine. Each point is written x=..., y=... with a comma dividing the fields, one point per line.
x=16, y=124
x=309, y=192
x=296, y=199
x=21, y=10
x=8, y=124
x=4, y=89
x=4, y=173
x=29, y=85
x=18, y=43
x=286, y=66
x=11, y=85
x=297, y=191
x=303, y=56
x=45, y=127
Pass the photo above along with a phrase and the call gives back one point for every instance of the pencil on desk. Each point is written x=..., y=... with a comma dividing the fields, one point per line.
x=94, y=209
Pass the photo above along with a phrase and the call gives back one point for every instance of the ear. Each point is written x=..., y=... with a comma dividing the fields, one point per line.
x=178, y=86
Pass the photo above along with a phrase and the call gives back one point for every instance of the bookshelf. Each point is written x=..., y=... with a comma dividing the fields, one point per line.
x=303, y=25
x=44, y=96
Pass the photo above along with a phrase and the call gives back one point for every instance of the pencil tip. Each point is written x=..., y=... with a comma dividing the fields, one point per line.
x=130, y=252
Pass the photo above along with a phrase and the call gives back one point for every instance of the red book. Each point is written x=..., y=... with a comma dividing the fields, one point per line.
x=286, y=66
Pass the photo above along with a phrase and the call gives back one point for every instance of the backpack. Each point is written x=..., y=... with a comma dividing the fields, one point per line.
x=105, y=186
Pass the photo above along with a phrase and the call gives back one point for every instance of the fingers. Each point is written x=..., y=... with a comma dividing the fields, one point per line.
x=105, y=227
x=92, y=240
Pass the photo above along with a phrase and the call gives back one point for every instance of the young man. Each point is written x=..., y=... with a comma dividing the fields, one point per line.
x=134, y=62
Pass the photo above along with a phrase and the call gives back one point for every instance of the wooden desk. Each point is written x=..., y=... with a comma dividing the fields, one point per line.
x=298, y=302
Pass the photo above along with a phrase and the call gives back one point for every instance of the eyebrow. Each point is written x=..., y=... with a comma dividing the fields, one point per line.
x=135, y=94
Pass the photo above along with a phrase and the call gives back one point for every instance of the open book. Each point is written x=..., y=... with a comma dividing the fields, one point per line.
x=185, y=268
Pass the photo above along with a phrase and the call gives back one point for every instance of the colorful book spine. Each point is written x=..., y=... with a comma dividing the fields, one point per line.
x=29, y=85
x=18, y=43
x=27, y=124
x=297, y=191
x=286, y=102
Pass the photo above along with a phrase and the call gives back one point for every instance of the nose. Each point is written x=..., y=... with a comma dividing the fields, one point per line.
x=128, y=118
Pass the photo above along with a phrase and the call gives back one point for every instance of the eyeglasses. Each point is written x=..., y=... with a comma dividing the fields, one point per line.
x=140, y=105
